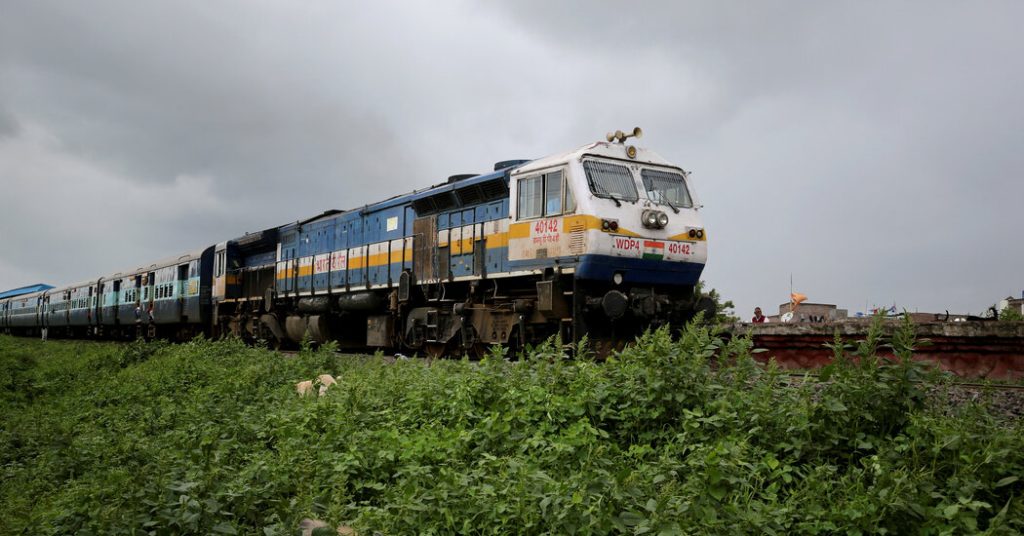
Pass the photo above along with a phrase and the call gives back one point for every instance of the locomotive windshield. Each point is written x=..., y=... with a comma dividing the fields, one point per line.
x=666, y=188
x=610, y=180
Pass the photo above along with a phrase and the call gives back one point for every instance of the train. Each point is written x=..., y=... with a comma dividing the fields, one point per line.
x=603, y=242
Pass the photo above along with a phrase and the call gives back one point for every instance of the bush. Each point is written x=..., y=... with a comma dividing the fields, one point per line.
x=670, y=436
x=1009, y=314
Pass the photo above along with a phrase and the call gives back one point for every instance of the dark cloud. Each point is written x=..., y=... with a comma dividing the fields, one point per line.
x=8, y=124
x=870, y=152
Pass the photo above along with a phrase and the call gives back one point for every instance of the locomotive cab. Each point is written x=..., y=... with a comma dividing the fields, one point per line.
x=623, y=221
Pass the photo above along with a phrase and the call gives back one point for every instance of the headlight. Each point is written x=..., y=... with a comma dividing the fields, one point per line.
x=654, y=219
x=650, y=219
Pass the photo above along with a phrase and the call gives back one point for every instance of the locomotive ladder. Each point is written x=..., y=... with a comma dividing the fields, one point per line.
x=431, y=325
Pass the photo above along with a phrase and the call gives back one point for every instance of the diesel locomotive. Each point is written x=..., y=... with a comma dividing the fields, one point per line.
x=604, y=241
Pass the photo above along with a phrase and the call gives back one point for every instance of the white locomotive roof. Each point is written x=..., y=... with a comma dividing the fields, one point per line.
x=600, y=148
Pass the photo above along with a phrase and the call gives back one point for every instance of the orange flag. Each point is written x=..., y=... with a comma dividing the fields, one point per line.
x=796, y=299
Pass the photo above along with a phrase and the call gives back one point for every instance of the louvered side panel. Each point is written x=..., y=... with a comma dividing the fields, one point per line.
x=577, y=237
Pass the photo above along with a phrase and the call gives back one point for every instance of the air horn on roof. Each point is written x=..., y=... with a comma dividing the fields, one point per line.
x=621, y=136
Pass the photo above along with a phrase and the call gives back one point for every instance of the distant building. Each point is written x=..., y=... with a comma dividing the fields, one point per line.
x=825, y=313
x=1016, y=304
x=818, y=313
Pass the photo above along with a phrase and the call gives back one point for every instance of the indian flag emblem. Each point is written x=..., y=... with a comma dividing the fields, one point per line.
x=654, y=250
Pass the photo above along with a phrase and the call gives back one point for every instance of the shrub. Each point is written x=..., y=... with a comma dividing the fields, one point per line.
x=670, y=436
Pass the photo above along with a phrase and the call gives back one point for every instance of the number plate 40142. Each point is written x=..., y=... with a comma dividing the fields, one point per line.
x=545, y=226
x=678, y=248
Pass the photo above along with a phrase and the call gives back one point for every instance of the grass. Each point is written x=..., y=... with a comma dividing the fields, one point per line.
x=685, y=436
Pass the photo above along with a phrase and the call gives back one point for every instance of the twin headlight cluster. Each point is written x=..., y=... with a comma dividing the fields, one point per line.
x=654, y=219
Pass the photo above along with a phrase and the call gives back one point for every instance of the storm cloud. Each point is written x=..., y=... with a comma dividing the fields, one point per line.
x=871, y=151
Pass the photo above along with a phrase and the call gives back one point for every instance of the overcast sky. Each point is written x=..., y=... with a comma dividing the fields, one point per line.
x=874, y=151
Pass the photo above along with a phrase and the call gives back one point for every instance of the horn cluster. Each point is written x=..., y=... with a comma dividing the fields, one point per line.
x=621, y=136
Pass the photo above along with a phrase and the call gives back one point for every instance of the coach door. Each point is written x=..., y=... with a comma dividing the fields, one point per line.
x=41, y=308
x=181, y=282
x=92, y=311
x=116, y=298
x=424, y=253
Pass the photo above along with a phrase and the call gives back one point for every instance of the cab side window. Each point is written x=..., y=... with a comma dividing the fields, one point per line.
x=552, y=194
x=531, y=196
x=545, y=195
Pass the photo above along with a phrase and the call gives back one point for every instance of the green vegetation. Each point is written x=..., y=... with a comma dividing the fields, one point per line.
x=1009, y=314
x=725, y=310
x=668, y=437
